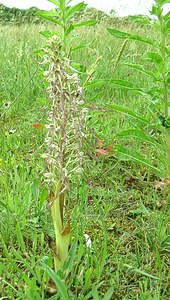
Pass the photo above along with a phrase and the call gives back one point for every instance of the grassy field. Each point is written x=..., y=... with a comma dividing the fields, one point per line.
x=117, y=203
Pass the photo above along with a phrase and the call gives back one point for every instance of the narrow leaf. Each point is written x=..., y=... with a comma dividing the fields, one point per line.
x=50, y=16
x=55, y=2
x=95, y=293
x=73, y=9
x=141, y=272
x=62, y=5
x=124, y=35
x=137, y=157
x=144, y=20
x=24, y=261
x=114, y=82
x=80, y=46
x=124, y=84
x=20, y=238
x=48, y=33
x=108, y=294
x=86, y=23
x=69, y=29
x=128, y=112
x=139, y=68
x=59, y=283
x=140, y=134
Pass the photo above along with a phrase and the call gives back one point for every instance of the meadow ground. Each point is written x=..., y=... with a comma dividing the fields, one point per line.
x=116, y=204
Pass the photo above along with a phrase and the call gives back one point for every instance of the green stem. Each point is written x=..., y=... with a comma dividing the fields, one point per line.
x=168, y=151
x=165, y=89
x=62, y=235
x=163, y=54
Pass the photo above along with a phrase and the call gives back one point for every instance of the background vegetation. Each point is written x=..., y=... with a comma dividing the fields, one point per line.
x=122, y=206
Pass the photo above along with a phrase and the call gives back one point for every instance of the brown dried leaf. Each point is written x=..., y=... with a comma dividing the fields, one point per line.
x=99, y=144
x=161, y=185
x=66, y=230
x=110, y=148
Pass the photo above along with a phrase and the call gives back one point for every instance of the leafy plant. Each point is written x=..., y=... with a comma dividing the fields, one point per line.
x=155, y=65
x=62, y=16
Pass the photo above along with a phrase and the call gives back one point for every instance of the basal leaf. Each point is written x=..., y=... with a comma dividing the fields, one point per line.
x=124, y=35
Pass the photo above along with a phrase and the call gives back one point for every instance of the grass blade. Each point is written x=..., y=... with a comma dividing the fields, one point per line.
x=59, y=283
x=141, y=272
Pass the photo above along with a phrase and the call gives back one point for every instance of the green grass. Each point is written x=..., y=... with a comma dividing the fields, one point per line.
x=116, y=203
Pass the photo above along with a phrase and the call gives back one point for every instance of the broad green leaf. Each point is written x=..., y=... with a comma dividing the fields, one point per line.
x=138, y=134
x=69, y=29
x=108, y=294
x=131, y=154
x=128, y=112
x=59, y=283
x=73, y=9
x=124, y=35
x=86, y=23
x=152, y=57
x=50, y=16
